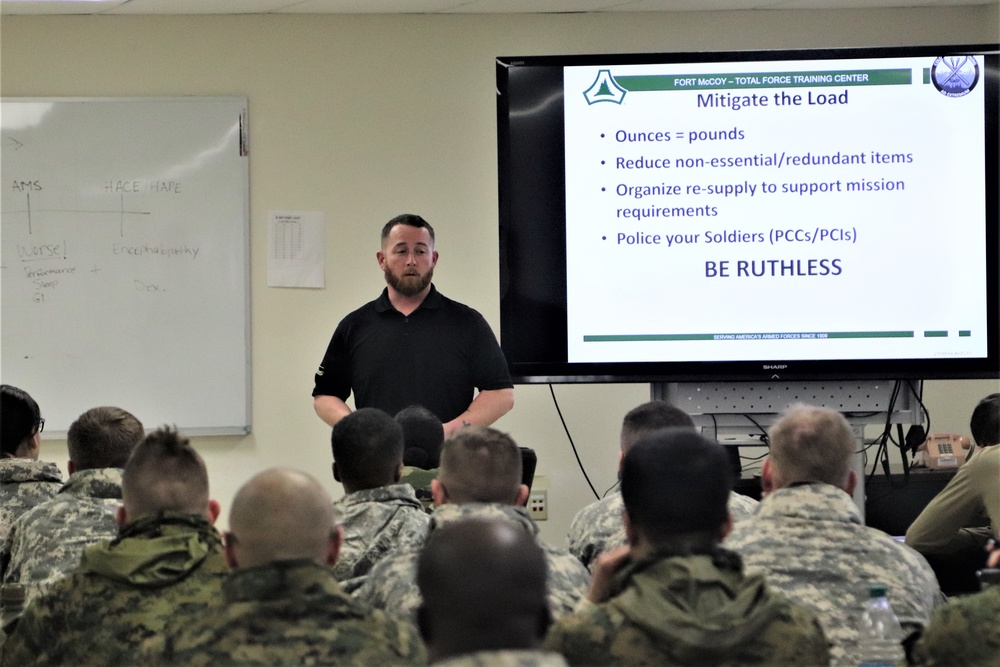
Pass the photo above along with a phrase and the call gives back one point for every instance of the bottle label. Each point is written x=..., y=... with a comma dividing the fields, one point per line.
x=877, y=663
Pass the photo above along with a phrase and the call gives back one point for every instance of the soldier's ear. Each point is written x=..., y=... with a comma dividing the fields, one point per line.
x=214, y=510
x=336, y=540
x=121, y=516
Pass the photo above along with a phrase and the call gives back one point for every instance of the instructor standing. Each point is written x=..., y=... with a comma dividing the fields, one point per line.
x=414, y=346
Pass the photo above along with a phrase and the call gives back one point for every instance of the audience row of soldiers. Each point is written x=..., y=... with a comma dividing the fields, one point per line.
x=122, y=564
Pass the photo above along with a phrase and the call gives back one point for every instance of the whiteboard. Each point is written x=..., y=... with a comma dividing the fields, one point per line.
x=124, y=231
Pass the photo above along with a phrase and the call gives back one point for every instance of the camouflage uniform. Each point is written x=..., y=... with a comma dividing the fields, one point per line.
x=116, y=607
x=963, y=632
x=392, y=583
x=598, y=527
x=812, y=544
x=508, y=658
x=690, y=610
x=24, y=483
x=377, y=522
x=46, y=541
x=292, y=613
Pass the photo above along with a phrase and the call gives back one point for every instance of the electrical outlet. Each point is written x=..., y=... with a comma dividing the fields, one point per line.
x=538, y=504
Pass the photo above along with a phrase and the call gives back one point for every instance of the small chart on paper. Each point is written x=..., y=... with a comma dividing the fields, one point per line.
x=296, y=249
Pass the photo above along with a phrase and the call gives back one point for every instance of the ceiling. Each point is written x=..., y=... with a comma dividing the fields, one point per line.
x=131, y=7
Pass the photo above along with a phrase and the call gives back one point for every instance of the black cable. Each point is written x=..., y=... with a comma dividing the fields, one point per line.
x=571, y=443
x=763, y=433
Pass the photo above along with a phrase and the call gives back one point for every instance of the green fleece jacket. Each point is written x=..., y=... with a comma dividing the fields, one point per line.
x=690, y=610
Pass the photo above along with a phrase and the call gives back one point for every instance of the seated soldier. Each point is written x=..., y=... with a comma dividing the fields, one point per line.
x=480, y=476
x=810, y=540
x=943, y=526
x=423, y=434
x=598, y=527
x=282, y=604
x=24, y=480
x=115, y=608
x=45, y=542
x=378, y=514
x=463, y=564
x=673, y=596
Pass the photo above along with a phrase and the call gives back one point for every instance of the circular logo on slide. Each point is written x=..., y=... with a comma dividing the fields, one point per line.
x=955, y=76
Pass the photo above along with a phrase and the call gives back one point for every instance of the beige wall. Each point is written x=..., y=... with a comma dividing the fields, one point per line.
x=364, y=117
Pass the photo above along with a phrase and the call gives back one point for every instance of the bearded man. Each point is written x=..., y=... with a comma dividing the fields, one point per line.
x=414, y=346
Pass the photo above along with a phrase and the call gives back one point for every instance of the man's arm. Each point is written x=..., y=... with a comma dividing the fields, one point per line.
x=487, y=407
x=330, y=408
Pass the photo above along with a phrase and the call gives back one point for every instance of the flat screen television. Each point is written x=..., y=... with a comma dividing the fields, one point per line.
x=766, y=215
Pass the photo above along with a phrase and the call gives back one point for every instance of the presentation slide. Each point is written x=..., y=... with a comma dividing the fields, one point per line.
x=787, y=209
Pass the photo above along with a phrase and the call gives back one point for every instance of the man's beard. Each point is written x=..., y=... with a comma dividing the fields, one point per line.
x=409, y=285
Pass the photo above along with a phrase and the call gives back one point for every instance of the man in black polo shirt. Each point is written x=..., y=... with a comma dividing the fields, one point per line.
x=414, y=346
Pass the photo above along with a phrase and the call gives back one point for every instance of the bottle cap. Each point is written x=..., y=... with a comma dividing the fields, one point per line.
x=877, y=591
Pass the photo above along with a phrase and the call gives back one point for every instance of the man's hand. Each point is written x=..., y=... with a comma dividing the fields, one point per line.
x=606, y=567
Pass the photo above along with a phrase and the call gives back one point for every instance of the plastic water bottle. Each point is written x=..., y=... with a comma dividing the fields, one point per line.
x=880, y=637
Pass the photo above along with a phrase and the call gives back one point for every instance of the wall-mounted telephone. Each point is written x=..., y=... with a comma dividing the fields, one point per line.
x=944, y=450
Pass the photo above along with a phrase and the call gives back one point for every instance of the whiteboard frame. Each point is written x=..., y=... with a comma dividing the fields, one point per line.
x=225, y=430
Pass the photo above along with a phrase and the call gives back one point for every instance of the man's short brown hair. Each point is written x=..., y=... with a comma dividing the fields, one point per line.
x=480, y=465
x=164, y=474
x=103, y=437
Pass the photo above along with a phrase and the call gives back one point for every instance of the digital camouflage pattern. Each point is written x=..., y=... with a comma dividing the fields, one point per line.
x=690, y=610
x=812, y=544
x=598, y=527
x=377, y=522
x=392, y=583
x=966, y=632
x=292, y=613
x=505, y=659
x=24, y=483
x=116, y=608
x=46, y=541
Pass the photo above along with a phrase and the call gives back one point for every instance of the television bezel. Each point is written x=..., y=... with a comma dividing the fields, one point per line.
x=533, y=303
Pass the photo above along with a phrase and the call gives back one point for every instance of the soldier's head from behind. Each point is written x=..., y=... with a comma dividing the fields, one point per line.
x=479, y=464
x=985, y=422
x=423, y=434
x=651, y=416
x=675, y=486
x=810, y=445
x=102, y=437
x=367, y=450
x=483, y=589
x=20, y=423
x=165, y=474
x=282, y=514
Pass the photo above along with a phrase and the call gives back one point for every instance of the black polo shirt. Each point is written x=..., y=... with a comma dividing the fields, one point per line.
x=437, y=357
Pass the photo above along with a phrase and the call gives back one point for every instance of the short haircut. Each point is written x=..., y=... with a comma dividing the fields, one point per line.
x=985, y=422
x=282, y=514
x=19, y=417
x=812, y=444
x=164, y=474
x=480, y=465
x=103, y=437
x=649, y=417
x=483, y=584
x=367, y=448
x=423, y=434
x=675, y=483
x=410, y=220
